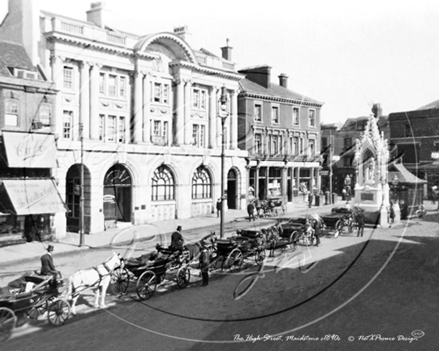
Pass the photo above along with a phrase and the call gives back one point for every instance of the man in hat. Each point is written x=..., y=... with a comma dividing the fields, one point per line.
x=204, y=263
x=177, y=239
x=47, y=265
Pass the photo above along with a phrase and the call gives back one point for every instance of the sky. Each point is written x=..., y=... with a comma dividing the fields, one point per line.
x=346, y=54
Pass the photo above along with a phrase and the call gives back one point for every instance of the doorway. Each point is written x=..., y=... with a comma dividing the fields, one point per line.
x=232, y=189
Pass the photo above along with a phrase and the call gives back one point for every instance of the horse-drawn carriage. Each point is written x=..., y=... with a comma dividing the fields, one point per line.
x=271, y=207
x=251, y=243
x=31, y=295
x=339, y=221
x=299, y=230
x=150, y=270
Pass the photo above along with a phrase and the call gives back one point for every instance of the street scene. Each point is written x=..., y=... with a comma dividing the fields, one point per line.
x=237, y=176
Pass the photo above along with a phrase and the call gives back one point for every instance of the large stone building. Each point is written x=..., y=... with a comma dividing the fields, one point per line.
x=147, y=109
x=280, y=130
x=28, y=194
x=414, y=138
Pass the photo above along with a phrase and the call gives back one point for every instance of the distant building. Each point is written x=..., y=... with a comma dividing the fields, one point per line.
x=281, y=131
x=147, y=109
x=345, y=139
x=414, y=138
x=29, y=198
x=328, y=146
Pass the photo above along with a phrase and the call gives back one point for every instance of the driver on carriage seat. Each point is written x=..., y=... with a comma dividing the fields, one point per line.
x=177, y=239
x=47, y=265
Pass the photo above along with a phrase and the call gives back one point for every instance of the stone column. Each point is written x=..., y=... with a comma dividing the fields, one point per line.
x=257, y=182
x=137, y=121
x=187, y=109
x=213, y=117
x=146, y=109
x=180, y=122
x=57, y=77
x=85, y=98
x=234, y=120
x=94, y=101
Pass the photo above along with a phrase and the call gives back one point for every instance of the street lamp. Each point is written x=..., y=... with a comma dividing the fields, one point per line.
x=395, y=183
x=223, y=114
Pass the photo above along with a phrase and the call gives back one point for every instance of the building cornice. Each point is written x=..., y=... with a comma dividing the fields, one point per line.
x=269, y=98
x=208, y=71
x=82, y=42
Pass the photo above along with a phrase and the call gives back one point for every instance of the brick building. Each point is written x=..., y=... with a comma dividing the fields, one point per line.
x=280, y=129
x=414, y=138
x=29, y=199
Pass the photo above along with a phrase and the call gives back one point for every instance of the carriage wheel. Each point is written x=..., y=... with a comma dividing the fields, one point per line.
x=260, y=255
x=292, y=242
x=120, y=279
x=58, y=312
x=36, y=311
x=183, y=276
x=146, y=285
x=8, y=320
x=234, y=260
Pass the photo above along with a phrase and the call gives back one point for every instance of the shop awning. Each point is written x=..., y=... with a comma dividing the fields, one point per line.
x=403, y=175
x=33, y=196
x=30, y=150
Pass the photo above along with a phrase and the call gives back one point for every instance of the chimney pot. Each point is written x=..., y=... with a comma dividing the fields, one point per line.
x=97, y=14
x=227, y=51
x=283, y=80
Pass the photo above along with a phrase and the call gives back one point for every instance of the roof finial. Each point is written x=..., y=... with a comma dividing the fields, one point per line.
x=227, y=41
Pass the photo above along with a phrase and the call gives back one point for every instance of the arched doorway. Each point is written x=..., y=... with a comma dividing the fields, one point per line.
x=73, y=198
x=232, y=189
x=117, y=195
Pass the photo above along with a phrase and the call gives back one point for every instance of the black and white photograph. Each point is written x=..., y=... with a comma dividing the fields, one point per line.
x=208, y=176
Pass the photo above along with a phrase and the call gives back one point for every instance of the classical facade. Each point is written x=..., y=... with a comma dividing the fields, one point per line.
x=29, y=198
x=139, y=112
x=280, y=130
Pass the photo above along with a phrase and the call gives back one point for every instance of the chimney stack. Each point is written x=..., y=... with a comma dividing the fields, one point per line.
x=259, y=75
x=377, y=110
x=98, y=14
x=227, y=51
x=283, y=80
x=182, y=32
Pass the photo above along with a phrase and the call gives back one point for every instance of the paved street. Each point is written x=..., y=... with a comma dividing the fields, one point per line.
x=384, y=283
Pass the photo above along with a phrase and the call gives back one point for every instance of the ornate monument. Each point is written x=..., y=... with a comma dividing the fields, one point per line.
x=371, y=164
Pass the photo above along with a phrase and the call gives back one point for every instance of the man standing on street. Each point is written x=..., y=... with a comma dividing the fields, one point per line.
x=219, y=206
x=47, y=265
x=250, y=210
x=317, y=228
x=177, y=239
x=360, y=222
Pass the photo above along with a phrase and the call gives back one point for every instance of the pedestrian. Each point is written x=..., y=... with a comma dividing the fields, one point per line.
x=310, y=199
x=317, y=228
x=47, y=265
x=177, y=240
x=257, y=205
x=360, y=219
x=204, y=264
x=392, y=213
x=219, y=206
x=344, y=194
x=250, y=211
x=348, y=194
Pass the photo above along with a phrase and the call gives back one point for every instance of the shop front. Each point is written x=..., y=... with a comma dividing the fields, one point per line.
x=28, y=195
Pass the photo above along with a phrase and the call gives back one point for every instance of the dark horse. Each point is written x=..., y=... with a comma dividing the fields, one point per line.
x=193, y=251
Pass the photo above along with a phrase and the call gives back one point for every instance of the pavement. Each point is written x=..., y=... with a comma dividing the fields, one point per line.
x=127, y=233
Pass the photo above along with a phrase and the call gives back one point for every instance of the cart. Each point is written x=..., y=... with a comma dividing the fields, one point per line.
x=339, y=221
x=31, y=295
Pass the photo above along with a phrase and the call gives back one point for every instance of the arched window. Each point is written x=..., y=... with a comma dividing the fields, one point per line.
x=162, y=187
x=201, y=184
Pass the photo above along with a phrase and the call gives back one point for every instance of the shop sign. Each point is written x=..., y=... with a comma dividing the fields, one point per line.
x=30, y=150
x=34, y=196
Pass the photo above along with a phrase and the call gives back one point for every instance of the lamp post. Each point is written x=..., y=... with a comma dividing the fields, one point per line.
x=223, y=115
x=81, y=199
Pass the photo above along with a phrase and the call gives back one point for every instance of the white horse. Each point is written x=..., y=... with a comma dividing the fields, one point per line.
x=95, y=278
